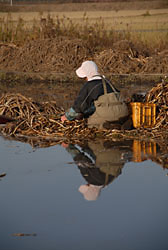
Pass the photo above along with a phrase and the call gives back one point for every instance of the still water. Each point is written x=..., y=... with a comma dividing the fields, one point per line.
x=98, y=196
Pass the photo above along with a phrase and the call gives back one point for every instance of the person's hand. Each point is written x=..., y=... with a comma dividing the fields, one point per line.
x=64, y=145
x=63, y=118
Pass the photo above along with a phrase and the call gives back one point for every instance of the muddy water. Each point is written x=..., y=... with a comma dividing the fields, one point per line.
x=46, y=204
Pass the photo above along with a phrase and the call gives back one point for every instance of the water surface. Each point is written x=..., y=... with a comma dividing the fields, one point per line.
x=42, y=197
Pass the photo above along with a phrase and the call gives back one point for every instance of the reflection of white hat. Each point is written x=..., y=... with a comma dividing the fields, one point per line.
x=87, y=69
x=90, y=192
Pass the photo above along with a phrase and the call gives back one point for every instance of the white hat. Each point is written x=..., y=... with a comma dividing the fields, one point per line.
x=90, y=192
x=87, y=69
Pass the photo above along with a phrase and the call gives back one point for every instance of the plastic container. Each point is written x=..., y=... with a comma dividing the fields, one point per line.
x=143, y=150
x=143, y=114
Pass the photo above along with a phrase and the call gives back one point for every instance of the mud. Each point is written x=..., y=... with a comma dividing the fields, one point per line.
x=62, y=93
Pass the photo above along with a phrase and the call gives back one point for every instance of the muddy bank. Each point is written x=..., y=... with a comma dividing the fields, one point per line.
x=63, y=89
x=42, y=120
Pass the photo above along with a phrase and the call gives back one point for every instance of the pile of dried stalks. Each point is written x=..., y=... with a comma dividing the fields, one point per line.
x=58, y=55
x=129, y=61
x=42, y=120
x=159, y=95
x=39, y=119
x=64, y=55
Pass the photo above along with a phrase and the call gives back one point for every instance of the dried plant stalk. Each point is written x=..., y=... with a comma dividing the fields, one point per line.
x=42, y=121
x=159, y=96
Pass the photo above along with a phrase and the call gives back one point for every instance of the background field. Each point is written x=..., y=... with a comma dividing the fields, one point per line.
x=136, y=17
x=82, y=5
x=122, y=37
x=146, y=18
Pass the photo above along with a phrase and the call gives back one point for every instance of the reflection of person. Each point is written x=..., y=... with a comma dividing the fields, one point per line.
x=98, y=164
x=95, y=87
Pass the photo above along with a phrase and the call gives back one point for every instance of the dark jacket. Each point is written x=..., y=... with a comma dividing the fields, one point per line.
x=90, y=164
x=88, y=94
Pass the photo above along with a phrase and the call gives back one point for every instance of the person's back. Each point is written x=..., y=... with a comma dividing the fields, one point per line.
x=89, y=93
x=97, y=100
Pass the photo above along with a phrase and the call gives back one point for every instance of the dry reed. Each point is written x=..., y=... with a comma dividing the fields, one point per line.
x=159, y=95
x=42, y=120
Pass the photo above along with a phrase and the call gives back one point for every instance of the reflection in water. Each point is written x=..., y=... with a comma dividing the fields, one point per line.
x=143, y=150
x=100, y=163
x=40, y=197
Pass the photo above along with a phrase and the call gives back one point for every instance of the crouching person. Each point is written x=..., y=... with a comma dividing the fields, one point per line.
x=98, y=100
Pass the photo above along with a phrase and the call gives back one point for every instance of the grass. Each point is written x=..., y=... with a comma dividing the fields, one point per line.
x=142, y=25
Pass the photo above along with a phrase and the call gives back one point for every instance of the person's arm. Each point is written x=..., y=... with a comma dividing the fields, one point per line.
x=78, y=107
x=71, y=114
x=80, y=104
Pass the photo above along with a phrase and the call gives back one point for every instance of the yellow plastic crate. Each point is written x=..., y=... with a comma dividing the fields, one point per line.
x=143, y=114
x=143, y=150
